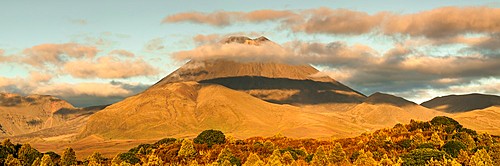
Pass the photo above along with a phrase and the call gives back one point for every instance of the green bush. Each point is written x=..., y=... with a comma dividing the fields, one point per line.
x=425, y=145
x=142, y=149
x=294, y=152
x=129, y=158
x=453, y=147
x=445, y=121
x=28, y=155
x=210, y=137
x=165, y=141
x=405, y=144
x=448, y=124
x=68, y=157
x=421, y=156
x=415, y=125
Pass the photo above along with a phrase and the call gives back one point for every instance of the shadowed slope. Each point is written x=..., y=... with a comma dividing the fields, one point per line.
x=382, y=98
x=462, y=103
x=273, y=82
x=283, y=90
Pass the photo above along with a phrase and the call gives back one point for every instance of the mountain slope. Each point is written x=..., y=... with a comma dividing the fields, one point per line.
x=482, y=120
x=462, y=103
x=187, y=108
x=273, y=82
x=25, y=116
x=387, y=110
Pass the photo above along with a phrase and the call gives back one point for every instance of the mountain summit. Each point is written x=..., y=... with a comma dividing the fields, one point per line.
x=271, y=81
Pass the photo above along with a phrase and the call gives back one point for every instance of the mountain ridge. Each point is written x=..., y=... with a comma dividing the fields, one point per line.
x=462, y=103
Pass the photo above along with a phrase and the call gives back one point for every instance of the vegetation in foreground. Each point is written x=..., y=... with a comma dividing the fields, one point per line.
x=441, y=141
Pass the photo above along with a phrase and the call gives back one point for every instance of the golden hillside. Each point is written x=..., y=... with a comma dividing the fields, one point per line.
x=184, y=109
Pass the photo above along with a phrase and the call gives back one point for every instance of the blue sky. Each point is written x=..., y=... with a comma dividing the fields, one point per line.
x=133, y=25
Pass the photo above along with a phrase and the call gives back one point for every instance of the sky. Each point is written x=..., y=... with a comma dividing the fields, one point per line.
x=99, y=52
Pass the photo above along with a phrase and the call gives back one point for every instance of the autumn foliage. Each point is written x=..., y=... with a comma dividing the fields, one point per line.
x=441, y=141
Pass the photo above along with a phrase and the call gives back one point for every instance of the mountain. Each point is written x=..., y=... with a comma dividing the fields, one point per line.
x=184, y=109
x=387, y=110
x=273, y=82
x=462, y=103
x=24, y=115
x=243, y=98
x=382, y=98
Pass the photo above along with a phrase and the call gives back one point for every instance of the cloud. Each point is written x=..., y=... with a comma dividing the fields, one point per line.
x=91, y=89
x=219, y=18
x=154, y=45
x=79, y=21
x=38, y=77
x=436, y=23
x=6, y=81
x=123, y=53
x=341, y=21
x=79, y=94
x=445, y=22
x=86, y=94
x=56, y=54
x=109, y=67
x=224, y=18
x=82, y=61
x=201, y=39
x=4, y=58
x=295, y=52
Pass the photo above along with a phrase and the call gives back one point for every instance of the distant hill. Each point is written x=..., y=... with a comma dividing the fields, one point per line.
x=462, y=103
x=387, y=110
x=482, y=120
x=21, y=115
x=382, y=98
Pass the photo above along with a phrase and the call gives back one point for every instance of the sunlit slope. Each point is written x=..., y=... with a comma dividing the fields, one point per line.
x=187, y=108
x=25, y=114
x=482, y=120
x=386, y=110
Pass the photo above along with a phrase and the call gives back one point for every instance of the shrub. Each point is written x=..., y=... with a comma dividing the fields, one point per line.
x=415, y=125
x=126, y=157
x=27, y=154
x=210, y=137
x=142, y=149
x=294, y=152
x=445, y=121
x=68, y=157
x=422, y=156
x=425, y=145
x=453, y=147
x=448, y=124
x=165, y=141
x=405, y=144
